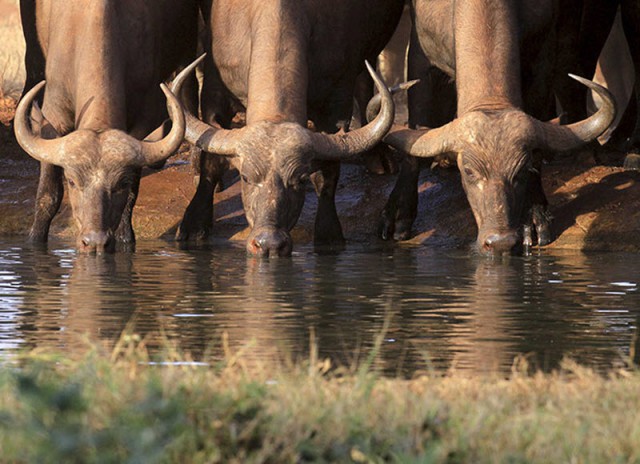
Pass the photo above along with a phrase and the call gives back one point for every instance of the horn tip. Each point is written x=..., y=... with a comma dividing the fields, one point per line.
x=581, y=79
x=369, y=67
x=199, y=59
x=407, y=85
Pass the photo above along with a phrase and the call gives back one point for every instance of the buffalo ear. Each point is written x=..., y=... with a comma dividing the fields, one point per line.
x=559, y=120
x=37, y=119
x=39, y=124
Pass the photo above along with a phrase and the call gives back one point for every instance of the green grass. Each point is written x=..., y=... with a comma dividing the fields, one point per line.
x=118, y=407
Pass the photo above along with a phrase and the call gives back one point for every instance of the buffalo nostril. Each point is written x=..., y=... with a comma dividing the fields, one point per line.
x=499, y=242
x=270, y=242
x=490, y=240
x=98, y=241
x=263, y=242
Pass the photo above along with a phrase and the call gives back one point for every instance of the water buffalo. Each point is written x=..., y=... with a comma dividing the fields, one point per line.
x=285, y=62
x=103, y=62
x=500, y=54
x=589, y=24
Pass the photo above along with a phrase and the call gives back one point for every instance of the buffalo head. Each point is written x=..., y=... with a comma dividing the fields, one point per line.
x=494, y=150
x=275, y=159
x=100, y=167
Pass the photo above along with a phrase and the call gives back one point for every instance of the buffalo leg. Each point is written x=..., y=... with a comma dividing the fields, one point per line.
x=34, y=58
x=536, y=219
x=198, y=218
x=48, y=199
x=217, y=108
x=327, y=226
x=125, y=233
x=401, y=209
x=432, y=103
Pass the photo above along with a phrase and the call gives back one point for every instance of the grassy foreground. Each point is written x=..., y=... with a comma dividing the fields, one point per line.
x=120, y=407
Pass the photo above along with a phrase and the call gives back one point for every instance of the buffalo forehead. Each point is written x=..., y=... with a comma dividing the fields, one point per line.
x=99, y=156
x=276, y=143
x=496, y=128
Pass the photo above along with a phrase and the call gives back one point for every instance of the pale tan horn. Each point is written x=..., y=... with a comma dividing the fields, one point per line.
x=45, y=150
x=209, y=138
x=571, y=136
x=155, y=152
x=345, y=144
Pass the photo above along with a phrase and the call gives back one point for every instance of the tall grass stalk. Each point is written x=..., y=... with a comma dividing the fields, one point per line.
x=128, y=406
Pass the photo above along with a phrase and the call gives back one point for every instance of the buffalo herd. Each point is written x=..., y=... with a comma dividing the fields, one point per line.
x=493, y=77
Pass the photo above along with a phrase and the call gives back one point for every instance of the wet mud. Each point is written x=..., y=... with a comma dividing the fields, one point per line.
x=595, y=207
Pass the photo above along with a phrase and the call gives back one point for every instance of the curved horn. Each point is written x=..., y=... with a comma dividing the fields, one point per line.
x=45, y=150
x=341, y=145
x=209, y=138
x=424, y=143
x=154, y=152
x=373, y=107
x=574, y=135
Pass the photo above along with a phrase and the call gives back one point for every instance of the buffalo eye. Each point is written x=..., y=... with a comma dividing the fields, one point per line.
x=124, y=184
x=521, y=177
x=299, y=182
x=471, y=174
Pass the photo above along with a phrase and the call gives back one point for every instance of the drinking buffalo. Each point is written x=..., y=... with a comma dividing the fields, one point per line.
x=285, y=62
x=500, y=53
x=103, y=61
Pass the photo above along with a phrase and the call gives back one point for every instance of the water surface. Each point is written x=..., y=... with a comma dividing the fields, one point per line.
x=444, y=308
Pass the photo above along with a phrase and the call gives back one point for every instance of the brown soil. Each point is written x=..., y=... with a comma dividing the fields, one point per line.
x=595, y=207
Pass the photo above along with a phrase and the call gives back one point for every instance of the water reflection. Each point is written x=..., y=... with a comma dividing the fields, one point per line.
x=442, y=309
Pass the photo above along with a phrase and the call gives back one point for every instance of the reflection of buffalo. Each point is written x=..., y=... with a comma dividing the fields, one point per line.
x=448, y=310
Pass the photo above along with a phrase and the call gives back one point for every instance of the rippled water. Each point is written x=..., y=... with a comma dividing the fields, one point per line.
x=444, y=308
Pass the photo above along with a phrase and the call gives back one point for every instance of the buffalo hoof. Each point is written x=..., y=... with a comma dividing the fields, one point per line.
x=192, y=233
x=37, y=236
x=542, y=222
x=37, y=243
x=387, y=227
x=394, y=227
x=328, y=235
x=329, y=249
x=125, y=234
x=196, y=222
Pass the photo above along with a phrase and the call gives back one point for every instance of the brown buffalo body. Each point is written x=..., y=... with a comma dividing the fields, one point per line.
x=501, y=54
x=103, y=62
x=589, y=24
x=284, y=62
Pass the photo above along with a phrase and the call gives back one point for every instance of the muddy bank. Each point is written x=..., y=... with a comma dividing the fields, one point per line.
x=595, y=207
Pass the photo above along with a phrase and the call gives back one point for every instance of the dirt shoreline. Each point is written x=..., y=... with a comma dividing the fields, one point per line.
x=595, y=207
